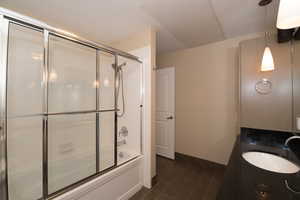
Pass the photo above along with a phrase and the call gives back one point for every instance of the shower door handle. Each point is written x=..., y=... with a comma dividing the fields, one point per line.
x=170, y=117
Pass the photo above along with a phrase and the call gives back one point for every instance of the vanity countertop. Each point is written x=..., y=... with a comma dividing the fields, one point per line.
x=244, y=181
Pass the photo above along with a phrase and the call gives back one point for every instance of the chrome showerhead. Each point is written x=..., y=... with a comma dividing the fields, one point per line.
x=264, y=2
x=123, y=64
x=119, y=66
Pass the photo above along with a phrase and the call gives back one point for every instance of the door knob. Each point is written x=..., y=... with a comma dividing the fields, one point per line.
x=170, y=117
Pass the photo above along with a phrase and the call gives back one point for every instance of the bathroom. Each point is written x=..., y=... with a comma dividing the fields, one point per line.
x=117, y=100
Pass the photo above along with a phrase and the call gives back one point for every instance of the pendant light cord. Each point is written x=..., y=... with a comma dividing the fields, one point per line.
x=266, y=27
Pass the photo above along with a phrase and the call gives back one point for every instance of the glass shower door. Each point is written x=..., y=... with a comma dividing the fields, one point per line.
x=24, y=113
x=58, y=107
x=72, y=113
x=107, y=107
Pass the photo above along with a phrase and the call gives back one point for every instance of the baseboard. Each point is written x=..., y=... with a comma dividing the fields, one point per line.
x=184, y=156
x=154, y=180
x=131, y=192
x=166, y=157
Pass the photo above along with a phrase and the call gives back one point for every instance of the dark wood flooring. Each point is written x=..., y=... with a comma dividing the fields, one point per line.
x=186, y=178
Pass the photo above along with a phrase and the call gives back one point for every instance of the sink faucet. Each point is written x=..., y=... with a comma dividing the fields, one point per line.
x=291, y=138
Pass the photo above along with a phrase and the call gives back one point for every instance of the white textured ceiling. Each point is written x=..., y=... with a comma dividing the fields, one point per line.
x=180, y=23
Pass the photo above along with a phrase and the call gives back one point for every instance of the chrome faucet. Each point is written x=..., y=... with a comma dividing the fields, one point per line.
x=291, y=138
x=123, y=132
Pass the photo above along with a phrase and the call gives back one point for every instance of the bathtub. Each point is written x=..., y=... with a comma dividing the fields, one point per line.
x=119, y=184
x=124, y=155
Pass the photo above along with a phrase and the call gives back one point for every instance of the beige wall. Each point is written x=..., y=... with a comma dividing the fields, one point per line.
x=135, y=41
x=146, y=38
x=206, y=98
x=272, y=111
x=153, y=100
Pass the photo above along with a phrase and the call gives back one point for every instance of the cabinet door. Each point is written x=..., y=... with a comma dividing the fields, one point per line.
x=271, y=111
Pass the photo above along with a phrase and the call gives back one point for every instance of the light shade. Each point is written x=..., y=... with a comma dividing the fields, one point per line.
x=267, y=63
x=288, y=14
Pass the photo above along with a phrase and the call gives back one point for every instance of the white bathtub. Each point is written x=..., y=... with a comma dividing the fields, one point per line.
x=125, y=155
x=118, y=184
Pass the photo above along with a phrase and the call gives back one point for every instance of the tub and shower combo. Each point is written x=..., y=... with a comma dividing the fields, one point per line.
x=71, y=115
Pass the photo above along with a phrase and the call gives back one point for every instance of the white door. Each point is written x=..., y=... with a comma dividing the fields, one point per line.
x=165, y=110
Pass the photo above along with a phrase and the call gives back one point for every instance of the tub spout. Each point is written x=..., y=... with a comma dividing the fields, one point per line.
x=121, y=142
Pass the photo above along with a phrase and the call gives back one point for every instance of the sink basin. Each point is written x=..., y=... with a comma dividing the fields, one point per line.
x=270, y=162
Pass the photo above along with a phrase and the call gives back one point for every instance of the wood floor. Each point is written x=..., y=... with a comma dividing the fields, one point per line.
x=186, y=178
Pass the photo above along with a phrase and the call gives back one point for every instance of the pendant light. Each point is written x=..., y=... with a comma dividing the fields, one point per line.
x=288, y=14
x=267, y=63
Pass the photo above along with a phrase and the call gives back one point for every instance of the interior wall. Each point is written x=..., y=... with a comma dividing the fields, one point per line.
x=271, y=111
x=153, y=49
x=206, y=109
x=131, y=85
x=135, y=41
x=143, y=45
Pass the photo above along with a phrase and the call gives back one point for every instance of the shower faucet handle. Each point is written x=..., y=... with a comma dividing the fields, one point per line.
x=123, y=132
x=170, y=117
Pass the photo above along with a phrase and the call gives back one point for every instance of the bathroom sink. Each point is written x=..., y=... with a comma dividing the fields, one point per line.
x=270, y=162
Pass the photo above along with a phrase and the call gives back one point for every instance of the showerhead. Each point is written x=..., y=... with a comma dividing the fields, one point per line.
x=264, y=2
x=119, y=66
x=123, y=64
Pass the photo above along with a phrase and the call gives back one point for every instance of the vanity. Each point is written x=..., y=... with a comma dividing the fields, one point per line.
x=262, y=166
x=245, y=181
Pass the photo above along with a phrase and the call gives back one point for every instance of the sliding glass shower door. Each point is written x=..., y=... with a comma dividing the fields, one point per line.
x=60, y=112
x=71, y=133
x=25, y=113
x=106, y=103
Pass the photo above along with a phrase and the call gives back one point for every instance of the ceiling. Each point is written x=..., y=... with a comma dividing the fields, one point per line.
x=180, y=23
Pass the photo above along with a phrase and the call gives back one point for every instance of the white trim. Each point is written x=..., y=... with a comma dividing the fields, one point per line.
x=144, y=55
x=131, y=192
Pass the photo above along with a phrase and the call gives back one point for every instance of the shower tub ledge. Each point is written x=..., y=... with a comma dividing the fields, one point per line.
x=118, y=184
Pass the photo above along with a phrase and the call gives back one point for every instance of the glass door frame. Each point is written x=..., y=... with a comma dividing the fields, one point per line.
x=4, y=27
x=4, y=31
